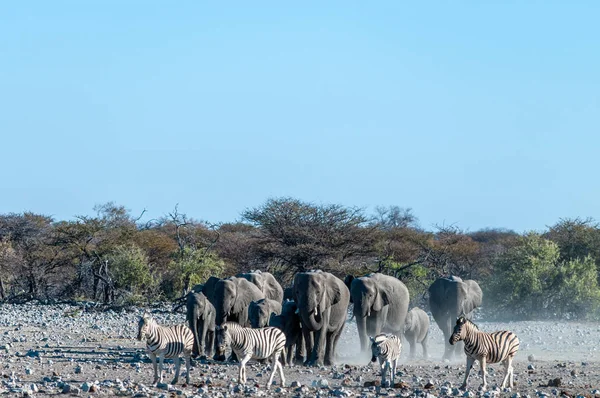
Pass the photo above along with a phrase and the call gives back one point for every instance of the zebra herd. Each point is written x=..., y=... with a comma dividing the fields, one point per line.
x=271, y=342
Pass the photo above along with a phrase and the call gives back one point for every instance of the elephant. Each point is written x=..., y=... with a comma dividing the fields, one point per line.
x=449, y=298
x=288, y=293
x=201, y=319
x=232, y=299
x=207, y=288
x=266, y=282
x=289, y=322
x=416, y=330
x=260, y=312
x=322, y=301
x=380, y=306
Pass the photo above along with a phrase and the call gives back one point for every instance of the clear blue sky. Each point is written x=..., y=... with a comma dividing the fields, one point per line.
x=478, y=114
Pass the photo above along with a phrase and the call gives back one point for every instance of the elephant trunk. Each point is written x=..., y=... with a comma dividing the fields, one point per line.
x=193, y=323
x=361, y=325
x=312, y=318
x=362, y=309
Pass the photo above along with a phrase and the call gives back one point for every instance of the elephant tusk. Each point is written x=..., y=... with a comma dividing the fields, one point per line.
x=369, y=313
x=316, y=312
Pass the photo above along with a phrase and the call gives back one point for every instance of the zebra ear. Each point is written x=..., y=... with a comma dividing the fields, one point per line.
x=372, y=339
x=224, y=328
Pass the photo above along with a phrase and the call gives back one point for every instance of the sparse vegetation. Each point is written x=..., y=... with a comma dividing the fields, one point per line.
x=112, y=256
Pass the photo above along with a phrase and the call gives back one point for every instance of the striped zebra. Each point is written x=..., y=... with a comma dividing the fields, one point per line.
x=248, y=343
x=166, y=342
x=386, y=348
x=486, y=348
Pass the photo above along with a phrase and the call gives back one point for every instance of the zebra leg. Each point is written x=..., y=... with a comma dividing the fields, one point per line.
x=281, y=374
x=384, y=371
x=276, y=364
x=177, y=362
x=243, y=362
x=482, y=362
x=470, y=362
x=508, y=371
x=153, y=359
x=394, y=366
x=188, y=365
x=161, y=359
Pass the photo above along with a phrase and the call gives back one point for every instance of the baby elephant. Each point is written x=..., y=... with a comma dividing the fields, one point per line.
x=260, y=312
x=289, y=323
x=416, y=330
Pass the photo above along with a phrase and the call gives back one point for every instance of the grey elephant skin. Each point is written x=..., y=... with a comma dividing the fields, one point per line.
x=416, y=330
x=289, y=322
x=260, y=312
x=201, y=319
x=448, y=299
x=207, y=288
x=322, y=301
x=380, y=306
x=266, y=283
x=232, y=299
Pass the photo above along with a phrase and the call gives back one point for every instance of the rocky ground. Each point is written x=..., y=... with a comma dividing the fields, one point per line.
x=59, y=349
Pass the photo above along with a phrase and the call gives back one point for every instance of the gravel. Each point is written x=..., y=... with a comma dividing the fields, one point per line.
x=50, y=350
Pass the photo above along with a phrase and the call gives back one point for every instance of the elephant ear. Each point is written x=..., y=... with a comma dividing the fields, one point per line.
x=334, y=290
x=381, y=300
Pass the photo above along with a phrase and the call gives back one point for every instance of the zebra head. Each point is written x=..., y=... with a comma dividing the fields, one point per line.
x=223, y=338
x=375, y=346
x=144, y=326
x=459, y=330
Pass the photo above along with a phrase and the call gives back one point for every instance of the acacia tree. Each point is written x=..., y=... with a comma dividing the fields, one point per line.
x=41, y=262
x=294, y=236
x=196, y=258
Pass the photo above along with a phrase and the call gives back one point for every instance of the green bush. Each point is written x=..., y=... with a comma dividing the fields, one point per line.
x=130, y=270
x=530, y=282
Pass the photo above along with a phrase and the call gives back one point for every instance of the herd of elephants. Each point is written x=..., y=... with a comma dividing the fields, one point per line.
x=313, y=311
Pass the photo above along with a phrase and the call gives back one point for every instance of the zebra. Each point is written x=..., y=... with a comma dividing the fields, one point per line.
x=166, y=342
x=486, y=348
x=248, y=343
x=386, y=348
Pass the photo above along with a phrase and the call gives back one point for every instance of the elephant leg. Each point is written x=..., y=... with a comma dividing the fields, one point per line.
x=210, y=343
x=308, y=343
x=412, y=342
x=329, y=338
x=204, y=330
x=300, y=349
x=450, y=350
x=424, y=345
x=316, y=358
x=334, y=342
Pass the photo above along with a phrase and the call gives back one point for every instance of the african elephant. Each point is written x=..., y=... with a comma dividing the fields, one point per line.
x=289, y=322
x=266, y=282
x=201, y=319
x=260, y=312
x=232, y=299
x=322, y=301
x=207, y=288
x=416, y=329
x=288, y=293
x=380, y=306
x=448, y=298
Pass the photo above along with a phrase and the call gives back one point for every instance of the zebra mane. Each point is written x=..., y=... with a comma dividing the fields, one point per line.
x=467, y=320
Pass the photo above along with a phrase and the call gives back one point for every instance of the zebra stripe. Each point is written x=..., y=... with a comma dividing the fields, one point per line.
x=248, y=343
x=486, y=348
x=386, y=348
x=166, y=342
